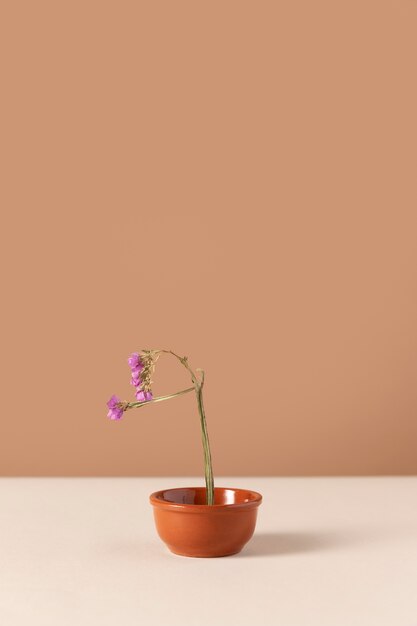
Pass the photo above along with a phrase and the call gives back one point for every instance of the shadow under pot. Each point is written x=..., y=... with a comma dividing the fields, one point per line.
x=190, y=527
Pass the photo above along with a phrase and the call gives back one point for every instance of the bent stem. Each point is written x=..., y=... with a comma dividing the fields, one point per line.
x=198, y=386
x=135, y=405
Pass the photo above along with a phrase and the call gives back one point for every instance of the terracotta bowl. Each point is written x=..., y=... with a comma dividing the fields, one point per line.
x=190, y=527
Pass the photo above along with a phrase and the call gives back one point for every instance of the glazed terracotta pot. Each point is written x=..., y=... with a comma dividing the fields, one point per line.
x=190, y=527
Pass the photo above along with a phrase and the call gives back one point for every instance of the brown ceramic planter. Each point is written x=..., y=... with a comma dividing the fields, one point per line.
x=190, y=527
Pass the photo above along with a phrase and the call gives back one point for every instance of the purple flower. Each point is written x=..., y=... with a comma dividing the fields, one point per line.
x=115, y=412
x=136, y=366
x=144, y=396
x=135, y=362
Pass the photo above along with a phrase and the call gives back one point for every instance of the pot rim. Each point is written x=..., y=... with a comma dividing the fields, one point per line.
x=157, y=500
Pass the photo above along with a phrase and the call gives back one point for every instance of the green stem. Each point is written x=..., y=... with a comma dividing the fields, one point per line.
x=208, y=469
x=198, y=386
x=134, y=405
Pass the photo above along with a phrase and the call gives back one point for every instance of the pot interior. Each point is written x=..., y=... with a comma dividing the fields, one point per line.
x=197, y=495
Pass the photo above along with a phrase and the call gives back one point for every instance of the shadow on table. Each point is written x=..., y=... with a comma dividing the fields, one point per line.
x=261, y=544
x=272, y=544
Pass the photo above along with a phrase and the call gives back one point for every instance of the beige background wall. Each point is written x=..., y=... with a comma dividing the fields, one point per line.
x=232, y=180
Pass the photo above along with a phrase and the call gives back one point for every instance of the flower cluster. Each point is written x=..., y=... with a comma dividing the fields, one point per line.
x=142, y=367
x=116, y=408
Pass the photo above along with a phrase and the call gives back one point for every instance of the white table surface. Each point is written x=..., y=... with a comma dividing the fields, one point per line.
x=327, y=551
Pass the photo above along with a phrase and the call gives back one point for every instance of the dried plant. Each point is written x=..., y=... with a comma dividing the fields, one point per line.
x=142, y=366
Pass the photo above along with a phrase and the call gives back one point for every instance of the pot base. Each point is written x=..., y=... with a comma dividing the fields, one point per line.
x=203, y=556
x=189, y=527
